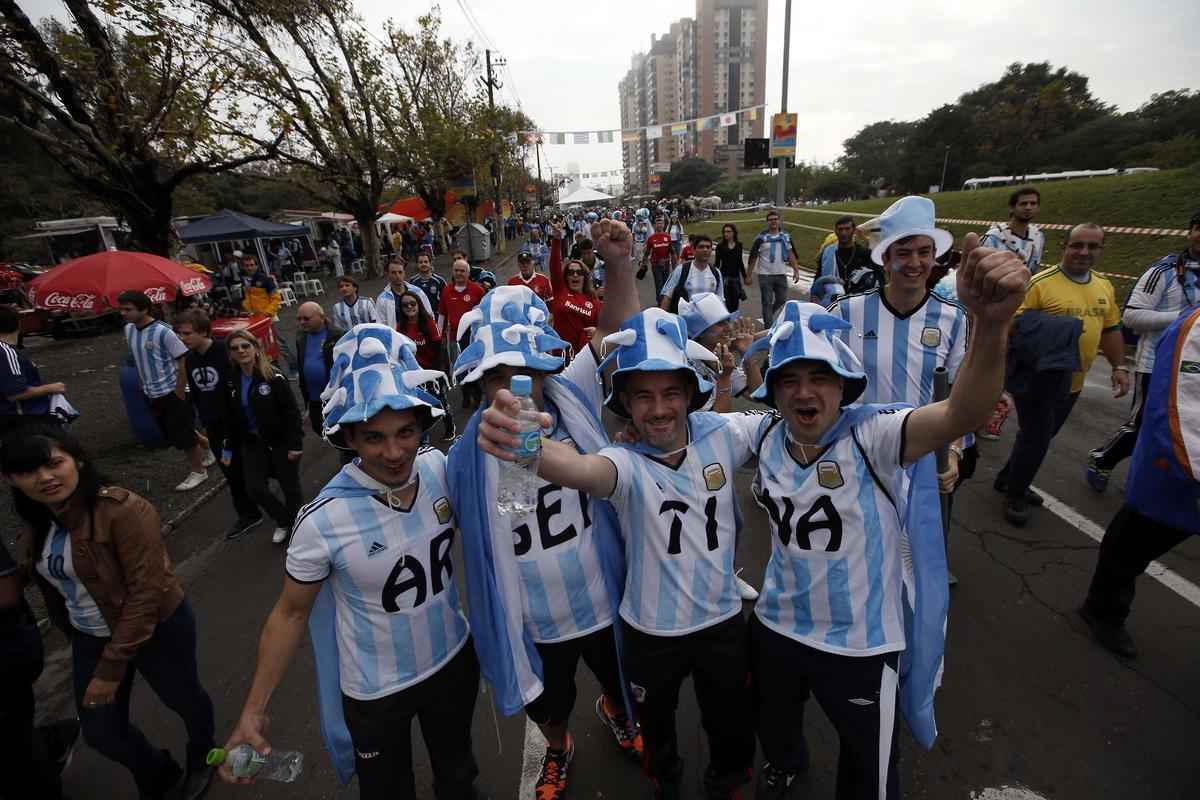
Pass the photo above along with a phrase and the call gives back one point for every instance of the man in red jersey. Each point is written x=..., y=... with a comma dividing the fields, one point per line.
x=536, y=281
x=659, y=254
x=460, y=296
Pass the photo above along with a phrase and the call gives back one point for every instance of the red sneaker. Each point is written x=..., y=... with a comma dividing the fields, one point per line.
x=552, y=784
x=628, y=734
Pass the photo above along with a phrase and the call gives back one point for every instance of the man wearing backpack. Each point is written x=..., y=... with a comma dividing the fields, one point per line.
x=692, y=277
x=1168, y=287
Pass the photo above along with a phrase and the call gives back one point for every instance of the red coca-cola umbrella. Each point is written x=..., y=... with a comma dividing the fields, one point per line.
x=93, y=282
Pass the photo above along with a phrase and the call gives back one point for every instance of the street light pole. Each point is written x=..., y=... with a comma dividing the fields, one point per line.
x=781, y=180
x=945, y=161
x=537, y=148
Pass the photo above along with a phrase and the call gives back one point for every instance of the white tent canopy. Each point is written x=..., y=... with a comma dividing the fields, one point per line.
x=584, y=195
x=390, y=218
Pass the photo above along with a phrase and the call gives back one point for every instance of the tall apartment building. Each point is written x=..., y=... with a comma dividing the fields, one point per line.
x=703, y=66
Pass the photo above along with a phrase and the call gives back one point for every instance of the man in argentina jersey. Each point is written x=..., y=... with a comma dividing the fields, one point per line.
x=903, y=332
x=773, y=257
x=674, y=496
x=352, y=309
x=1171, y=285
x=567, y=609
x=1019, y=235
x=702, y=276
x=377, y=542
x=854, y=536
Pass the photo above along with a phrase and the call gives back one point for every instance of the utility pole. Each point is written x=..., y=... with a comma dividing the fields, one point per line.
x=492, y=85
x=945, y=161
x=537, y=148
x=781, y=164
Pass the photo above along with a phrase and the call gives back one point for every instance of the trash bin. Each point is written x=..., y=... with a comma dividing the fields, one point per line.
x=475, y=240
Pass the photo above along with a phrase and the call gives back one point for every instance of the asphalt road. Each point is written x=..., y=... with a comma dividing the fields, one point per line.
x=1028, y=701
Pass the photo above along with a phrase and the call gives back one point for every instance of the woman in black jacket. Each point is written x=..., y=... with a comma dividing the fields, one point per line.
x=732, y=268
x=265, y=426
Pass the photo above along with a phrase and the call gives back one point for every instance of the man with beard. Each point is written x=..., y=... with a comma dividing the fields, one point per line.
x=1019, y=235
x=674, y=497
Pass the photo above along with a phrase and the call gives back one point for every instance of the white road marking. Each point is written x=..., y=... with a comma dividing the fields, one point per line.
x=1007, y=793
x=531, y=761
x=1167, y=577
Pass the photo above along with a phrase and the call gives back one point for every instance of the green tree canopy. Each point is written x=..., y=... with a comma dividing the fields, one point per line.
x=689, y=176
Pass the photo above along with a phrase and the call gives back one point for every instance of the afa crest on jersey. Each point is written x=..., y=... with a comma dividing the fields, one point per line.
x=829, y=475
x=442, y=509
x=714, y=477
x=931, y=337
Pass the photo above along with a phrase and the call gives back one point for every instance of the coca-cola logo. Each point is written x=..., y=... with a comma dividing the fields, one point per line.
x=157, y=294
x=193, y=286
x=59, y=301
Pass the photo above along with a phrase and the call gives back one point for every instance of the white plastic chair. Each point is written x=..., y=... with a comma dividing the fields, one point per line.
x=358, y=265
x=287, y=296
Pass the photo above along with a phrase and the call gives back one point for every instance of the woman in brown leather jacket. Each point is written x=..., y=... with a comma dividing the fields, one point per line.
x=97, y=554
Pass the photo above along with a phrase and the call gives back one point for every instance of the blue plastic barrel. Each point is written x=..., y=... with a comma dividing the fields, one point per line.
x=141, y=418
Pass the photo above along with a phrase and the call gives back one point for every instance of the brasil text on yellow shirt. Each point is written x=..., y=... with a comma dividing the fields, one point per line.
x=1094, y=302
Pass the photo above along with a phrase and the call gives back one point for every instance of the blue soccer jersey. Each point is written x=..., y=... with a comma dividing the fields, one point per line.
x=156, y=352
x=835, y=577
x=680, y=525
x=58, y=567
x=347, y=315
x=397, y=609
x=900, y=352
x=563, y=593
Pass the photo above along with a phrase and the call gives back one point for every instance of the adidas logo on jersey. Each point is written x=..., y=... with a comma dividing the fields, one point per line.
x=870, y=335
x=375, y=549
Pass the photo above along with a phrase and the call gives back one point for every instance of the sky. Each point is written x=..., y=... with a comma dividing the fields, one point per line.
x=850, y=65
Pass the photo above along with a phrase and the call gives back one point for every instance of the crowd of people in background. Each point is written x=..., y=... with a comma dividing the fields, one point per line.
x=845, y=425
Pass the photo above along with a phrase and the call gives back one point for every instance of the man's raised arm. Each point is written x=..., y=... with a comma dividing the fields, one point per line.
x=614, y=242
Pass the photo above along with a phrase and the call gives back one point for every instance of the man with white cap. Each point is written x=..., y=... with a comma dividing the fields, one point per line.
x=674, y=497
x=371, y=561
x=553, y=577
x=857, y=577
x=903, y=332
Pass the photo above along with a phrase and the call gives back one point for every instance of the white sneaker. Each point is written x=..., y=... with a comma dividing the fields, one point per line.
x=279, y=535
x=747, y=591
x=193, y=480
x=209, y=459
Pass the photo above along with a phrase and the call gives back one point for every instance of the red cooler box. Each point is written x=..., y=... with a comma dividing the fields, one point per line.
x=257, y=324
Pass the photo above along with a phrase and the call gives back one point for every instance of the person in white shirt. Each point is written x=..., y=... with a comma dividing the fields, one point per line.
x=701, y=276
x=1019, y=235
x=674, y=497
x=378, y=544
x=1170, y=286
x=773, y=258
x=387, y=301
x=352, y=309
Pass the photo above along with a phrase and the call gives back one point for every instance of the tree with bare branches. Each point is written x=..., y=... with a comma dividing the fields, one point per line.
x=131, y=105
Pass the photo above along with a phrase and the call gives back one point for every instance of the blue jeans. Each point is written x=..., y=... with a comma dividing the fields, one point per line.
x=167, y=660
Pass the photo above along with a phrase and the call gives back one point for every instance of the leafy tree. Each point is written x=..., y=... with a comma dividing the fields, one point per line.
x=1171, y=114
x=329, y=110
x=877, y=151
x=128, y=110
x=689, y=176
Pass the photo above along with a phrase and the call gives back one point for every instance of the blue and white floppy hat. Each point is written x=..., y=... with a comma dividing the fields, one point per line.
x=652, y=341
x=643, y=213
x=510, y=326
x=375, y=367
x=910, y=216
x=806, y=332
x=703, y=311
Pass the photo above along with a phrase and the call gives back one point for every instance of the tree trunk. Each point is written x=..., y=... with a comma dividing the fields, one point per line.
x=150, y=220
x=370, y=243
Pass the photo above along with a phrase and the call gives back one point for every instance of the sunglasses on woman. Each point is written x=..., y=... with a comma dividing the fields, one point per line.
x=409, y=305
x=238, y=347
x=578, y=272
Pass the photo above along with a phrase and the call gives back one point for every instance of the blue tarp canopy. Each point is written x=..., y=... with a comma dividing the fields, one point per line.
x=226, y=226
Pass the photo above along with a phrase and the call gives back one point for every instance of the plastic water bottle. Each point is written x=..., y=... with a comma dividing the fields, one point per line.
x=516, y=494
x=244, y=761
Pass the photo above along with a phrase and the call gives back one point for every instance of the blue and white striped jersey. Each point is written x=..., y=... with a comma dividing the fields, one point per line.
x=563, y=590
x=540, y=253
x=347, y=316
x=680, y=525
x=58, y=567
x=398, y=615
x=772, y=251
x=1029, y=247
x=1159, y=290
x=641, y=231
x=156, y=352
x=386, y=304
x=899, y=352
x=708, y=279
x=835, y=576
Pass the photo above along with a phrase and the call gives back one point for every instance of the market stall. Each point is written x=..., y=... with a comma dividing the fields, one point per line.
x=249, y=232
